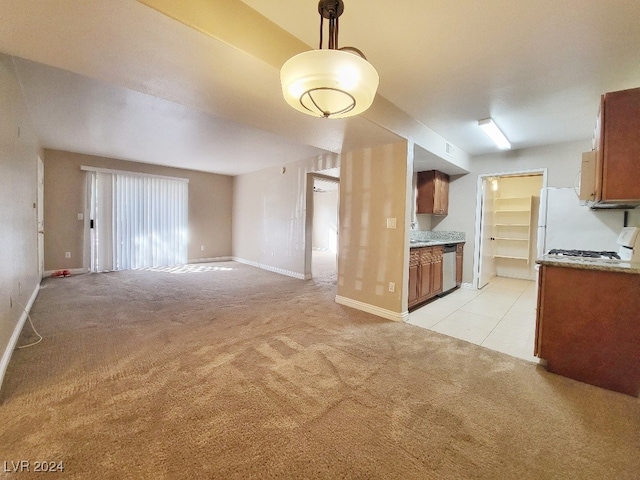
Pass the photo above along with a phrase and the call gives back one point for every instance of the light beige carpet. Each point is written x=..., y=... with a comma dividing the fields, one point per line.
x=232, y=372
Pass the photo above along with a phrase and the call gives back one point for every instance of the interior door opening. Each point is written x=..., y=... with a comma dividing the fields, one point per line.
x=506, y=238
x=322, y=226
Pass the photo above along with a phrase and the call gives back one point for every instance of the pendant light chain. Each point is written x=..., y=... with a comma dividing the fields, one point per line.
x=332, y=13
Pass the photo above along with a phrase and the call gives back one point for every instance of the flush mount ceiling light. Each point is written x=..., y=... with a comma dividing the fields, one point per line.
x=330, y=83
x=494, y=133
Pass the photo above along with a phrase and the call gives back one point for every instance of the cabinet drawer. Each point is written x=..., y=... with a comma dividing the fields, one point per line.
x=414, y=258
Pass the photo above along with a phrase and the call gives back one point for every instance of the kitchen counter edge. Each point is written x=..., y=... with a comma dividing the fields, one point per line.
x=433, y=243
x=589, y=264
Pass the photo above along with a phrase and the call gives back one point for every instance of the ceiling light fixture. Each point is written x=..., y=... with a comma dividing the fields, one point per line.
x=494, y=133
x=330, y=83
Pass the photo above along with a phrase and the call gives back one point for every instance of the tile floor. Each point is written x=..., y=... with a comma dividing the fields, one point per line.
x=501, y=316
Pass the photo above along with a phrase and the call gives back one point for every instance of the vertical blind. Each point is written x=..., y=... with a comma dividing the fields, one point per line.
x=148, y=221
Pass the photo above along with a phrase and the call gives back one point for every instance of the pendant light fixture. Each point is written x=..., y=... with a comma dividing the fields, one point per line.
x=332, y=82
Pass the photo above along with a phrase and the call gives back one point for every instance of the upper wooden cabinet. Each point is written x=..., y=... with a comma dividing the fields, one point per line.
x=617, y=146
x=433, y=193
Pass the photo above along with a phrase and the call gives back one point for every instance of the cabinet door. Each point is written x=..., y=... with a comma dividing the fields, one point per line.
x=414, y=276
x=436, y=271
x=621, y=145
x=425, y=274
x=425, y=192
x=432, y=193
x=441, y=194
x=459, y=259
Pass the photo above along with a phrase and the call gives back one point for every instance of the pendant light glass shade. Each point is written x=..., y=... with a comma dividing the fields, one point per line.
x=329, y=83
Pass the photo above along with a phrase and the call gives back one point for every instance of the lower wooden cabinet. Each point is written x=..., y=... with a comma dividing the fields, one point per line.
x=425, y=273
x=414, y=266
x=588, y=326
x=436, y=272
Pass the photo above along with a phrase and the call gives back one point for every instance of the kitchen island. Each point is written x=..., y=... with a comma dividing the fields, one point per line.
x=588, y=321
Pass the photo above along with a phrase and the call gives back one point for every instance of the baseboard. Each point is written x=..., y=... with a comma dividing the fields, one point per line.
x=366, y=307
x=210, y=260
x=73, y=271
x=281, y=271
x=6, y=356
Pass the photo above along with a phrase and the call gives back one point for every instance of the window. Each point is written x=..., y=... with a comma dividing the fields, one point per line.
x=139, y=221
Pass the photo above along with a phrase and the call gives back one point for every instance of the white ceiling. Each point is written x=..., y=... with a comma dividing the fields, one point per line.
x=120, y=79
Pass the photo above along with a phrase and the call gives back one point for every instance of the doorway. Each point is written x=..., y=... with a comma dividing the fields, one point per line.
x=40, y=226
x=321, y=253
x=506, y=225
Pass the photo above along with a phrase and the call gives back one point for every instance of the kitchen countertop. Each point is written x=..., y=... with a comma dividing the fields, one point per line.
x=432, y=243
x=589, y=264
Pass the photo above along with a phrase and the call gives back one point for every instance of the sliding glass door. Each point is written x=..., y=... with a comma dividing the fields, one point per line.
x=138, y=221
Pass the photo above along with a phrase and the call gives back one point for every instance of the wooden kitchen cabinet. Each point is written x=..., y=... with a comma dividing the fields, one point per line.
x=436, y=271
x=459, y=261
x=588, y=326
x=425, y=274
x=432, y=193
x=414, y=265
x=617, y=146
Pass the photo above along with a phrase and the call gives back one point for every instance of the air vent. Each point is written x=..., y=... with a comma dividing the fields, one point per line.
x=449, y=149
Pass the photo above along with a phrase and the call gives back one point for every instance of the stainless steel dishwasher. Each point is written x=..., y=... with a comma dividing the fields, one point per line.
x=449, y=268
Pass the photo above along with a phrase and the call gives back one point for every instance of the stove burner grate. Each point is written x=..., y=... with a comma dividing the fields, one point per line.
x=584, y=253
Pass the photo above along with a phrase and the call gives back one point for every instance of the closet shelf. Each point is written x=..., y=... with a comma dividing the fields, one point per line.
x=512, y=213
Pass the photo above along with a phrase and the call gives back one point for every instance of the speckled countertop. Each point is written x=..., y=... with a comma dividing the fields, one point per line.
x=422, y=238
x=589, y=264
x=431, y=243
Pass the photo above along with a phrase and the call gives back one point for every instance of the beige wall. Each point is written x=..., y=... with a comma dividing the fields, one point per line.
x=562, y=162
x=270, y=222
x=210, y=201
x=270, y=215
x=374, y=186
x=18, y=193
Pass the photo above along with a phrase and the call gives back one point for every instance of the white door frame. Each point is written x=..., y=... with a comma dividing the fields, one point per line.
x=477, y=258
x=40, y=219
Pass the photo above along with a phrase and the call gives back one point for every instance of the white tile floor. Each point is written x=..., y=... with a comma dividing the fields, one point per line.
x=501, y=316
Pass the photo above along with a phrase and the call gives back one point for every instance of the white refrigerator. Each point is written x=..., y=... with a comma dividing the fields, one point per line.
x=565, y=224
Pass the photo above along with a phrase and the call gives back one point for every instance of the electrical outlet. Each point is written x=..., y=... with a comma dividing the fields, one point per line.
x=67, y=254
x=391, y=223
x=81, y=216
x=392, y=287
x=202, y=248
